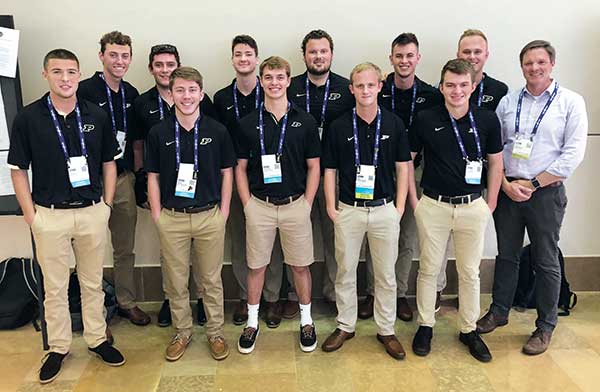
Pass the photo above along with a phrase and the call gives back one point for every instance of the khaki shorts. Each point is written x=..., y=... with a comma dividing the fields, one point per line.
x=295, y=230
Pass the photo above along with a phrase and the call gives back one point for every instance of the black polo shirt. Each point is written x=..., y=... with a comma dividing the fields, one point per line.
x=493, y=91
x=301, y=143
x=34, y=141
x=427, y=97
x=339, y=101
x=215, y=152
x=148, y=115
x=94, y=90
x=338, y=152
x=444, y=171
x=224, y=106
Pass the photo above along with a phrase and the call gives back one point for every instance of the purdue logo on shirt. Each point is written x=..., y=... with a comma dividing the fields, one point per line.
x=487, y=98
x=385, y=137
x=296, y=124
x=334, y=96
x=205, y=140
x=420, y=100
x=88, y=127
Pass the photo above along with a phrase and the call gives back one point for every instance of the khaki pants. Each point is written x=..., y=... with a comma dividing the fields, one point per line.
x=467, y=223
x=381, y=225
x=205, y=231
x=122, y=228
x=56, y=232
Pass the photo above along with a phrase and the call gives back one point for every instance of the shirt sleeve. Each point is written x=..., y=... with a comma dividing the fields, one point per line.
x=414, y=136
x=312, y=141
x=19, y=154
x=500, y=114
x=402, y=147
x=242, y=145
x=110, y=146
x=575, y=139
x=152, y=160
x=494, y=137
x=228, y=158
x=140, y=132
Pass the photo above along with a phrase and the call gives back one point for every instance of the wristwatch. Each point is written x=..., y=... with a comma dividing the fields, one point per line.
x=536, y=184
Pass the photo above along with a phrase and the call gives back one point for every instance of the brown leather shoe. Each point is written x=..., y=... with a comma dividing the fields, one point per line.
x=490, y=321
x=403, y=310
x=538, y=342
x=272, y=315
x=240, y=314
x=365, y=308
x=177, y=347
x=290, y=309
x=392, y=346
x=136, y=315
x=218, y=347
x=336, y=340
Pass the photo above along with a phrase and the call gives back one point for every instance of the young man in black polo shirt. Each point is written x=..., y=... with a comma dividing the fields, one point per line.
x=369, y=148
x=404, y=94
x=150, y=108
x=108, y=90
x=325, y=95
x=460, y=141
x=190, y=163
x=68, y=143
x=242, y=96
x=277, y=177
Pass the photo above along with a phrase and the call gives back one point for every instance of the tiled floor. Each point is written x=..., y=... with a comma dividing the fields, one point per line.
x=277, y=364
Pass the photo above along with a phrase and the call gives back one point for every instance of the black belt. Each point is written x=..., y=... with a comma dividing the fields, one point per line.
x=194, y=209
x=370, y=203
x=67, y=205
x=553, y=185
x=455, y=200
x=280, y=201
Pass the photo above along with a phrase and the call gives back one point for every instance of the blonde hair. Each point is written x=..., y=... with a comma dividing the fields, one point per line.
x=364, y=67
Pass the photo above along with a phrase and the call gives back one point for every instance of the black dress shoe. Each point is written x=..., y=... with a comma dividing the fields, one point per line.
x=51, y=367
x=164, y=315
x=476, y=345
x=403, y=310
x=201, y=313
x=365, y=308
x=421, y=344
x=272, y=315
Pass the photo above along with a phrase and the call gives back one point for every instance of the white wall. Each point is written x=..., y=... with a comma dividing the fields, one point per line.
x=361, y=31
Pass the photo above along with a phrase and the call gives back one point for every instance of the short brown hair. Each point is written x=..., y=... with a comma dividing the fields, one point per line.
x=472, y=33
x=275, y=62
x=364, y=67
x=244, y=39
x=186, y=73
x=60, y=54
x=316, y=34
x=538, y=44
x=459, y=67
x=115, y=38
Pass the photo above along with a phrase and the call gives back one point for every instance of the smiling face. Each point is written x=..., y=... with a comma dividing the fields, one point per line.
x=63, y=77
x=474, y=49
x=115, y=60
x=404, y=59
x=244, y=59
x=162, y=66
x=274, y=82
x=365, y=86
x=187, y=95
x=318, y=56
x=457, y=89
x=537, y=68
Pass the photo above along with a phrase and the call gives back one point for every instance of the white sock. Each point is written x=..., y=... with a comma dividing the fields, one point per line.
x=252, y=316
x=305, y=317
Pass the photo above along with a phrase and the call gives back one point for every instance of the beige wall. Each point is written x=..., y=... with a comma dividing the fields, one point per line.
x=361, y=31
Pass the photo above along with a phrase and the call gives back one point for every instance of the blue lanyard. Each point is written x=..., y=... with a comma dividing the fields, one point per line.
x=480, y=98
x=461, y=145
x=412, y=104
x=261, y=131
x=235, y=98
x=377, y=135
x=160, y=106
x=111, y=108
x=61, y=137
x=178, y=145
x=325, y=96
x=540, y=117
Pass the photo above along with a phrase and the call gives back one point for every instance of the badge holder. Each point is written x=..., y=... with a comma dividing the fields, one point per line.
x=365, y=182
x=473, y=172
x=121, y=140
x=271, y=169
x=186, y=181
x=522, y=148
x=78, y=171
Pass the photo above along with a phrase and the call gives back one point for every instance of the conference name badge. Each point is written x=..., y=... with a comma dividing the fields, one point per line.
x=78, y=171
x=186, y=183
x=271, y=169
x=365, y=182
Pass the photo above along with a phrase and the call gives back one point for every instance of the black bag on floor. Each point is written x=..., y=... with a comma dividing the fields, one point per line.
x=110, y=301
x=18, y=293
x=525, y=293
